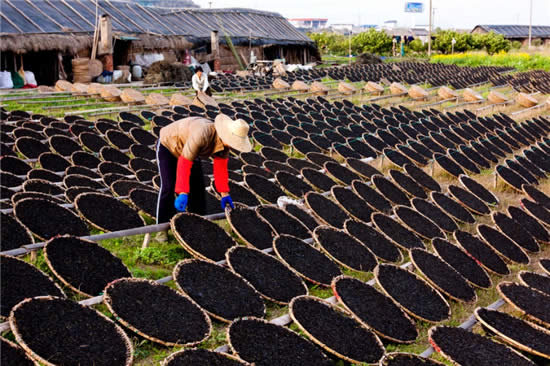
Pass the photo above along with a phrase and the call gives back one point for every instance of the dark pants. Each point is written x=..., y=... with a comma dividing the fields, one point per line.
x=168, y=166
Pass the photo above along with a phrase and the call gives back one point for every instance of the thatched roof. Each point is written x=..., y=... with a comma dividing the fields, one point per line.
x=68, y=25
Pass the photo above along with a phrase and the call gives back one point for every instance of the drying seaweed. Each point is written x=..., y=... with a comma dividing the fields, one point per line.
x=205, y=239
x=292, y=184
x=371, y=196
x=374, y=309
x=412, y=293
x=478, y=190
x=201, y=356
x=515, y=231
x=536, y=281
x=46, y=219
x=145, y=201
x=107, y=213
x=326, y=210
x=484, y=255
x=340, y=173
x=305, y=260
x=71, y=193
x=61, y=332
x=302, y=215
x=462, y=262
x=42, y=186
x=407, y=359
x=390, y=190
x=83, y=265
x=537, y=211
x=463, y=347
x=418, y=223
x=354, y=205
x=516, y=332
x=422, y=178
x=13, y=355
x=138, y=304
x=468, y=200
x=397, y=233
x=263, y=188
x=448, y=165
x=123, y=187
x=271, y=278
x=266, y=344
x=442, y=276
x=408, y=184
x=223, y=294
x=335, y=332
x=537, y=195
x=502, y=244
x=30, y=148
x=21, y=280
x=13, y=233
x=252, y=229
x=510, y=177
x=533, y=303
x=434, y=213
x=344, y=249
x=318, y=180
x=77, y=180
x=452, y=207
x=282, y=222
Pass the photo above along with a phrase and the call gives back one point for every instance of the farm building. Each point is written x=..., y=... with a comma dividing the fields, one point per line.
x=517, y=32
x=44, y=36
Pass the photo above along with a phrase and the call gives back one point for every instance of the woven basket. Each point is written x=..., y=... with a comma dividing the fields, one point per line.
x=94, y=88
x=180, y=99
x=526, y=100
x=130, y=95
x=471, y=95
x=156, y=99
x=95, y=68
x=447, y=93
x=300, y=86
x=496, y=97
x=79, y=88
x=63, y=85
x=110, y=93
x=280, y=84
x=346, y=88
x=397, y=88
x=417, y=92
x=45, y=89
x=319, y=88
x=373, y=87
x=202, y=100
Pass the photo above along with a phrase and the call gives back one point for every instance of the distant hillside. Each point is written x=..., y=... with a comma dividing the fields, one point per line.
x=168, y=3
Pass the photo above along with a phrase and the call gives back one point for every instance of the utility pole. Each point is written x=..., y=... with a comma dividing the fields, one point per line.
x=530, y=20
x=430, y=32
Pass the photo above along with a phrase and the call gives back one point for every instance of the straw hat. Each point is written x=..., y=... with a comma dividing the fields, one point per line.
x=233, y=133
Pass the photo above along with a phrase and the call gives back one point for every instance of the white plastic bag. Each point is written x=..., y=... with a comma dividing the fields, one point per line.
x=5, y=80
x=29, y=78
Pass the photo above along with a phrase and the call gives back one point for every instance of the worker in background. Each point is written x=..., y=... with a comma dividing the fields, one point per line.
x=179, y=148
x=200, y=82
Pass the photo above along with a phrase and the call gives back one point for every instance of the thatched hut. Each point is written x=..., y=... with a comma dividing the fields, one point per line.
x=44, y=36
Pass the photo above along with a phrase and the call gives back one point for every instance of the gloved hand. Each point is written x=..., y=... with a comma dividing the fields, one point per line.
x=227, y=201
x=181, y=202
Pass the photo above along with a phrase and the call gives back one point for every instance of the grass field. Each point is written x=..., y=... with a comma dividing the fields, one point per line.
x=520, y=61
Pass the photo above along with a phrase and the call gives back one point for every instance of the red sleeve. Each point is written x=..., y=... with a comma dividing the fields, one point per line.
x=182, y=175
x=221, y=177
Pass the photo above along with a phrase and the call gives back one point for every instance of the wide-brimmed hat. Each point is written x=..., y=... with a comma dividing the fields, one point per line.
x=233, y=132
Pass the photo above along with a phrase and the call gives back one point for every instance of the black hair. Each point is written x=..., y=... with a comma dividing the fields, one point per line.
x=198, y=68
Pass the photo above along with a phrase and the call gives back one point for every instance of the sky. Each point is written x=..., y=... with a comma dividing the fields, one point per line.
x=458, y=14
